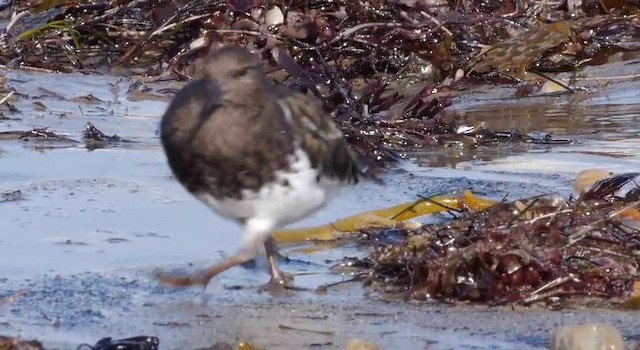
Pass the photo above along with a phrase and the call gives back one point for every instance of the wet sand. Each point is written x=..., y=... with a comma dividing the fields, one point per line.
x=70, y=309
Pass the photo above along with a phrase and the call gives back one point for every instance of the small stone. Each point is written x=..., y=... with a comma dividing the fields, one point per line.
x=274, y=16
x=359, y=344
x=550, y=87
x=459, y=74
x=595, y=336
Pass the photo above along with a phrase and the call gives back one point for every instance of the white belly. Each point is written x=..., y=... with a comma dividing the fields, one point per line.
x=281, y=205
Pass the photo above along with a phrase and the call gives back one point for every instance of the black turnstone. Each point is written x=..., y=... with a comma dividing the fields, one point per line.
x=255, y=152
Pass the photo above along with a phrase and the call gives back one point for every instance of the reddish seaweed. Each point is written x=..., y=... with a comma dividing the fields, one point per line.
x=351, y=55
x=539, y=250
x=360, y=39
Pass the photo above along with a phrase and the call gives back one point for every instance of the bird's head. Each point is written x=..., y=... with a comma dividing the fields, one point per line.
x=236, y=70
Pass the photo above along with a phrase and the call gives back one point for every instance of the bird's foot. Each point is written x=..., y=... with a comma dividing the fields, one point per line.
x=176, y=279
x=202, y=277
x=280, y=284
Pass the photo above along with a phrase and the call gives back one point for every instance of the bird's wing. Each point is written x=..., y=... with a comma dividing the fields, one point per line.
x=321, y=138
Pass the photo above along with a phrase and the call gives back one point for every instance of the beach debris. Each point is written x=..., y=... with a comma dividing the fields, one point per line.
x=297, y=329
x=38, y=138
x=12, y=298
x=603, y=186
x=352, y=56
x=243, y=345
x=540, y=250
x=395, y=217
x=11, y=196
x=518, y=53
x=585, y=179
x=595, y=336
x=392, y=37
x=359, y=344
x=142, y=342
x=11, y=343
x=94, y=138
x=43, y=137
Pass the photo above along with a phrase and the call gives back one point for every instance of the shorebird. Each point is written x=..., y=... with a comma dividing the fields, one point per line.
x=255, y=152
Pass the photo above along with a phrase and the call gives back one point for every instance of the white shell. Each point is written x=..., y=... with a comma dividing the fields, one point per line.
x=198, y=43
x=274, y=16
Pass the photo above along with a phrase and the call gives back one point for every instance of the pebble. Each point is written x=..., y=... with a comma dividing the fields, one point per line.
x=594, y=336
x=274, y=16
x=359, y=344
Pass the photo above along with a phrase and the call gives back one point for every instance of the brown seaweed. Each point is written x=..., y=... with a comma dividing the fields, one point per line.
x=539, y=250
x=350, y=55
x=363, y=40
x=11, y=343
x=94, y=138
x=37, y=135
x=42, y=138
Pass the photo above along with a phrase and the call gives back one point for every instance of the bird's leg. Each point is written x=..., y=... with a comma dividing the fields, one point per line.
x=203, y=277
x=278, y=278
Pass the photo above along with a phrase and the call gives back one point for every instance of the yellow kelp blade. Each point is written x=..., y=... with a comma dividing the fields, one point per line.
x=382, y=218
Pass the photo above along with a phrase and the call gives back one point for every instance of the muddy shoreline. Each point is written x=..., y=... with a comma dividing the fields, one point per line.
x=66, y=310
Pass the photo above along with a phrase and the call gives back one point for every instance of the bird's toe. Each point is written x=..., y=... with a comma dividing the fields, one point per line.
x=175, y=279
x=280, y=284
x=282, y=279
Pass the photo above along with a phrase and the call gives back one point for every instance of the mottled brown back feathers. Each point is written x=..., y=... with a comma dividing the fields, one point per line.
x=233, y=132
x=320, y=137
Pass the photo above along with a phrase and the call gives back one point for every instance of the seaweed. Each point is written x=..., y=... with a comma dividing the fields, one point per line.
x=94, y=138
x=141, y=342
x=540, y=250
x=42, y=135
x=352, y=56
x=41, y=138
x=359, y=39
x=11, y=343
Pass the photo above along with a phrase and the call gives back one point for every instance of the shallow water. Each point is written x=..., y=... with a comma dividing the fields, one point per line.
x=119, y=206
x=89, y=216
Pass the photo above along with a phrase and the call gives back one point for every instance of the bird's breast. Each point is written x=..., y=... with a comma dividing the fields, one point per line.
x=296, y=193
